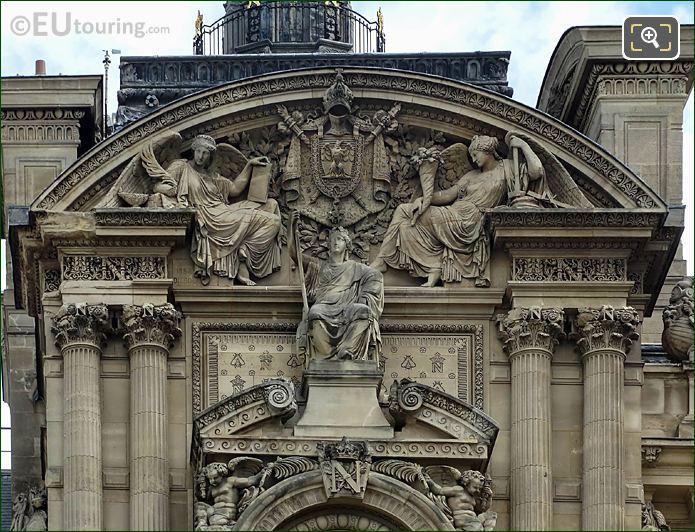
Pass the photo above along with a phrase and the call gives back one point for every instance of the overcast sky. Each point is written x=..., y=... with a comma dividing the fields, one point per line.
x=529, y=29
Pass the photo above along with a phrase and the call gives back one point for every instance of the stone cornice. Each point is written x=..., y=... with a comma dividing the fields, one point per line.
x=606, y=329
x=195, y=109
x=535, y=328
x=80, y=324
x=150, y=324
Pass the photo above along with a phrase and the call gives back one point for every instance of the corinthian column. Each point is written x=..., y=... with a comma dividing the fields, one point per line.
x=530, y=336
x=79, y=333
x=604, y=337
x=150, y=333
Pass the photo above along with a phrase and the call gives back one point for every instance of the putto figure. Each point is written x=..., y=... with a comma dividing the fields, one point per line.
x=233, y=239
x=348, y=298
x=467, y=495
x=218, y=491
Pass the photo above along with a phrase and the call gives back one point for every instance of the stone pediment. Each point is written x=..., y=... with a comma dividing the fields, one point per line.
x=427, y=423
x=456, y=109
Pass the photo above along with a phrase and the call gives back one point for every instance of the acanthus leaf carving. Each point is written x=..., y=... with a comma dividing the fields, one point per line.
x=81, y=323
x=151, y=324
x=606, y=328
x=531, y=328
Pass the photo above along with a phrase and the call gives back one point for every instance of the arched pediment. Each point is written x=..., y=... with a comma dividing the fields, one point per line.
x=456, y=109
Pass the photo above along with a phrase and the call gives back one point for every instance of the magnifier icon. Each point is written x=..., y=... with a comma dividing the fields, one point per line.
x=648, y=35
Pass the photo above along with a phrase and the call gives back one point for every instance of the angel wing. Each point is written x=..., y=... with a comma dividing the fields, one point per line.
x=401, y=470
x=243, y=466
x=455, y=164
x=145, y=169
x=558, y=183
x=228, y=161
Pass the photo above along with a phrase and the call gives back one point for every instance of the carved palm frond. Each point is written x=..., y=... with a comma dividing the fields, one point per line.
x=401, y=470
x=292, y=465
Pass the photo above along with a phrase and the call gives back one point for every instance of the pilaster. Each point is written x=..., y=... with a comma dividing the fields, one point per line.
x=150, y=331
x=530, y=336
x=79, y=331
x=604, y=337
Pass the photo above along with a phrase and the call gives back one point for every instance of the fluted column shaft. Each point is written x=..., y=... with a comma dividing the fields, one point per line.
x=530, y=337
x=150, y=332
x=79, y=332
x=604, y=337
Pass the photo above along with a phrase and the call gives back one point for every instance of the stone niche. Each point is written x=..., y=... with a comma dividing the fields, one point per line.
x=205, y=282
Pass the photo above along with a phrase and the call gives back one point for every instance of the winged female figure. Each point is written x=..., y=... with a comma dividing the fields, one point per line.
x=234, y=239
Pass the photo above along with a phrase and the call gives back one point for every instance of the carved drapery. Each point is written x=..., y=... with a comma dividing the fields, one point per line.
x=150, y=332
x=604, y=337
x=529, y=336
x=80, y=331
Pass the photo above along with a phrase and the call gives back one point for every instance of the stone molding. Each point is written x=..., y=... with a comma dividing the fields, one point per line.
x=150, y=324
x=274, y=398
x=533, y=328
x=405, y=83
x=607, y=76
x=137, y=216
x=112, y=268
x=81, y=323
x=569, y=269
x=509, y=217
x=606, y=329
x=441, y=411
x=271, y=446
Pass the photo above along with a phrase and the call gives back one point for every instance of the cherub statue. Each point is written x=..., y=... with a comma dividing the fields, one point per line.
x=466, y=497
x=220, y=484
x=653, y=519
x=231, y=238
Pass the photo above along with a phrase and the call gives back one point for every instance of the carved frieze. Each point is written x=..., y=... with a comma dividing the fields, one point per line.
x=80, y=323
x=569, y=269
x=606, y=328
x=142, y=217
x=112, y=268
x=151, y=324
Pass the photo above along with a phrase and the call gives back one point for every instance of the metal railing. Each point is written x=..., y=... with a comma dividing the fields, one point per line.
x=289, y=22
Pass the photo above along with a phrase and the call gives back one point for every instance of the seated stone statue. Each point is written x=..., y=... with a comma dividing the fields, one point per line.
x=347, y=300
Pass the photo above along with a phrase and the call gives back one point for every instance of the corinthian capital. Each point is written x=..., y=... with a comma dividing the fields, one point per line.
x=606, y=328
x=530, y=328
x=80, y=323
x=150, y=324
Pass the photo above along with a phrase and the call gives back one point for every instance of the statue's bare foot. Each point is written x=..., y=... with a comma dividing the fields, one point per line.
x=379, y=265
x=245, y=280
x=433, y=278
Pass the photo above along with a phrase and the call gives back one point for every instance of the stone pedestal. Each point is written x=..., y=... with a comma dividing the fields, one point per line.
x=530, y=336
x=79, y=332
x=150, y=333
x=604, y=337
x=342, y=401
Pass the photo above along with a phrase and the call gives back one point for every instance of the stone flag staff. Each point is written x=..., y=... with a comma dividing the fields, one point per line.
x=348, y=298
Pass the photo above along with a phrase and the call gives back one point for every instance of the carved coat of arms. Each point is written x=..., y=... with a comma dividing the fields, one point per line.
x=337, y=170
x=345, y=467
